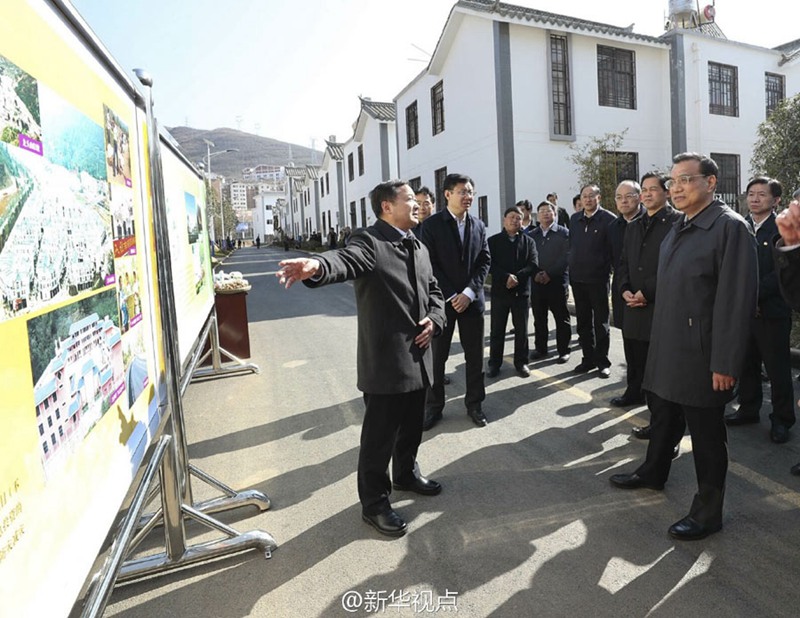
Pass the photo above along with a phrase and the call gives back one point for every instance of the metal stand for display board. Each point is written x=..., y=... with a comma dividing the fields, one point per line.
x=216, y=351
x=175, y=470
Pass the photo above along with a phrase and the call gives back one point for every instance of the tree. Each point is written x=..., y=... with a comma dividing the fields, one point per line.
x=595, y=163
x=777, y=149
x=214, y=209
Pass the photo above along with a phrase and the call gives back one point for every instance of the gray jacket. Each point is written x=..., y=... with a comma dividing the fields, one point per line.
x=707, y=289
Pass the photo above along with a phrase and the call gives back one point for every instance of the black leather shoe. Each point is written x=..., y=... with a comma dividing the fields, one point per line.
x=536, y=355
x=523, y=371
x=624, y=401
x=564, y=358
x=493, y=372
x=643, y=433
x=584, y=367
x=420, y=485
x=605, y=372
x=388, y=523
x=632, y=481
x=687, y=529
x=779, y=433
x=795, y=469
x=738, y=418
x=477, y=416
x=431, y=418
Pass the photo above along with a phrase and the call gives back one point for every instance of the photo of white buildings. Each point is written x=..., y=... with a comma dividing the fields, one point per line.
x=78, y=371
x=59, y=243
x=118, y=152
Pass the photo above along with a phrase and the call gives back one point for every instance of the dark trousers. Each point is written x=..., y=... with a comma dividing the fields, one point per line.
x=392, y=429
x=769, y=342
x=635, y=359
x=550, y=297
x=709, y=448
x=470, y=331
x=591, y=315
x=502, y=304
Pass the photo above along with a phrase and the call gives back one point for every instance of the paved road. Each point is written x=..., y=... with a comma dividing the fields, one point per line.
x=527, y=525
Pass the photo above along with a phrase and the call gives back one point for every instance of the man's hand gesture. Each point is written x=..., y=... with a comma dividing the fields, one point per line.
x=297, y=269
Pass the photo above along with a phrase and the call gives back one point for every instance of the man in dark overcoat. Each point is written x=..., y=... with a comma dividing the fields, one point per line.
x=627, y=199
x=772, y=325
x=400, y=309
x=636, y=278
x=706, y=288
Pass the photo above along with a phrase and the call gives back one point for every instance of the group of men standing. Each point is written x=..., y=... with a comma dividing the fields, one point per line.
x=686, y=293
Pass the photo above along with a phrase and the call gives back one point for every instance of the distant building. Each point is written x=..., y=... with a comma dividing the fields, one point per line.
x=509, y=89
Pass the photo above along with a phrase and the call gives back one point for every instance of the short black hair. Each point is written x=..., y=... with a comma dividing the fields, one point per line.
x=451, y=180
x=426, y=191
x=526, y=204
x=576, y=199
x=593, y=186
x=708, y=167
x=661, y=177
x=386, y=191
x=549, y=197
x=515, y=209
x=547, y=204
x=775, y=187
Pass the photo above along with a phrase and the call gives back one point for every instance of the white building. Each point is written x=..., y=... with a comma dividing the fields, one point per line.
x=266, y=206
x=509, y=89
x=332, y=188
x=370, y=157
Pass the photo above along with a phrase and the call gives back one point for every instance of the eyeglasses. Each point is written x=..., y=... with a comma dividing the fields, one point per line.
x=682, y=181
x=464, y=193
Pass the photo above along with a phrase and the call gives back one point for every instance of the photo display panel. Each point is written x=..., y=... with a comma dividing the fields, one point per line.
x=78, y=331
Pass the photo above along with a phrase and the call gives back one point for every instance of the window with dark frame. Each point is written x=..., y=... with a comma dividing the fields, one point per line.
x=361, y=159
x=728, y=181
x=625, y=164
x=483, y=209
x=616, y=77
x=559, y=76
x=364, y=212
x=353, y=222
x=415, y=183
x=437, y=107
x=350, y=171
x=775, y=87
x=412, y=126
x=438, y=180
x=723, y=89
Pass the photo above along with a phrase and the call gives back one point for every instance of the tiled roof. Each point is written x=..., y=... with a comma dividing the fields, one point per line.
x=312, y=171
x=788, y=48
x=520, y=12
x=384, y=112
x=336, y=150
x=295, y=172
x=711, y=29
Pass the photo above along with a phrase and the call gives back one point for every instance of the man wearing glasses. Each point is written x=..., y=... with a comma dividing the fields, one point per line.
x=460, y=258
x=706, y=287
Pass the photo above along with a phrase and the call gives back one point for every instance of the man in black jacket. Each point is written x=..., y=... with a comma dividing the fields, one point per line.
x=400, y=309
x=550, y=285
x=637, y=285
x=513, y=264
x=456, y=241
x=771, y=326
x=628, y=201
x=589, y=271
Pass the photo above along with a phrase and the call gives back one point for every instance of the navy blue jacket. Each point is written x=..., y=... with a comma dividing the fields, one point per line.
x=590, y=254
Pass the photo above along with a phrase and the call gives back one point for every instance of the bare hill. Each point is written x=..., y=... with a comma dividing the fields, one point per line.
x=253, y=150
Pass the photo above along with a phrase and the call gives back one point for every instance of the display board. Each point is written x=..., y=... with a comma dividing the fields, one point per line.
x=79, y=328
x=189, y=246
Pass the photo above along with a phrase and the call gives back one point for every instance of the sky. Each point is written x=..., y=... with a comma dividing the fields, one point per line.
x=293, y=69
